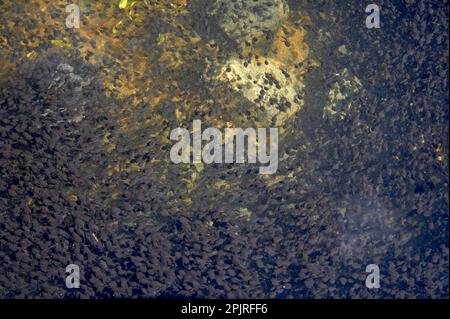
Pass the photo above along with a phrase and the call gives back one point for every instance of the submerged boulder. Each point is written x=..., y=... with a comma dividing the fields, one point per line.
x=65, y=84
x=249, y=22
x=266, y=83
x=271, y=78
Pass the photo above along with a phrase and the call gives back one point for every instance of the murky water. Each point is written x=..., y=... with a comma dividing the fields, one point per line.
x=110, y=93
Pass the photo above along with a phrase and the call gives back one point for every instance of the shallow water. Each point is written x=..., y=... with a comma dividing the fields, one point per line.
x=363, y=169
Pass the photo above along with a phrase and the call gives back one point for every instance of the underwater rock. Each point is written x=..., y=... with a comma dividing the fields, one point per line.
x=340, y=95
x=58, y=79
x=248, y=22
x=267, y=84
x=271, y=79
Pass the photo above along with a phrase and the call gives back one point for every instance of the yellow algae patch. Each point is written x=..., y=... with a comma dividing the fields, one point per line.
x=73, y=198
x=180, y=2
x=115, y=195
x=173, y=46
x=31, y=203
x=223, y=185
x=64, y=42
x=289, y=45
x=179, y=115
x=112, y=169
x=123, y=4
x=38, y=30
x=109, y=145
x=32, y=55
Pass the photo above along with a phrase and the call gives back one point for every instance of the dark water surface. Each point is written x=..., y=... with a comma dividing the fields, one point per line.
x=86, y=177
